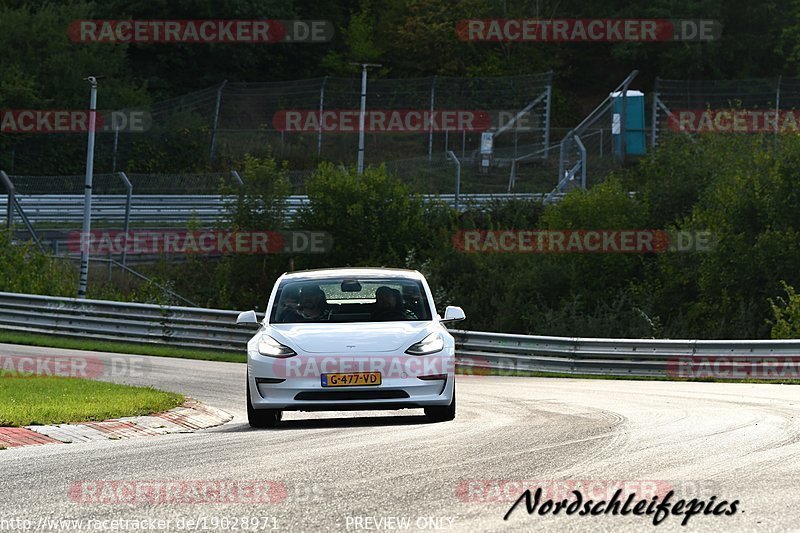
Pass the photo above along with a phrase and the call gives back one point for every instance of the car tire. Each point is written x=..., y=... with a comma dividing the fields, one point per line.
x=442, y=413
x=261, y=418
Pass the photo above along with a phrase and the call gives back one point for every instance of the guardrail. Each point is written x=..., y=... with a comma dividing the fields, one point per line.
x=189, y=327
x=215, y=329
x=618, y=357
x=182, y=208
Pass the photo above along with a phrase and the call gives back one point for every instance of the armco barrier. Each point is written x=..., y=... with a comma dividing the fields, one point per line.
x=179, y=209
x=216, y=329
x=106, y=320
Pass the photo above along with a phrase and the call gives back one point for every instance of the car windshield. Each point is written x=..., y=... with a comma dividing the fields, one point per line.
x=350, y=300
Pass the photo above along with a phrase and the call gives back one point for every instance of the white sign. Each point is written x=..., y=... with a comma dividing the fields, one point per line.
x=487, y=139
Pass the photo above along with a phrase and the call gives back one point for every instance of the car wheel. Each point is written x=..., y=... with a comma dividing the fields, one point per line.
x=261, y=418
x=442, y=413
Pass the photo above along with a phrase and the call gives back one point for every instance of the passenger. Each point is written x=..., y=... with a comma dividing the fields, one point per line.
x=388, y=305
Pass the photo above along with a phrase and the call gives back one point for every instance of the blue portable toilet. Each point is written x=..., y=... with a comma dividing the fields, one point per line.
x=635, y=143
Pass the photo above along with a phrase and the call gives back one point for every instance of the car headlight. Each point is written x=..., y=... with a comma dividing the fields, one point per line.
x=272, y=348
x=431, y=344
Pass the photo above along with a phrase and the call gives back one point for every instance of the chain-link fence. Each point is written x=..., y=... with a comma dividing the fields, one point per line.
x=304, y=122
x=689, y=107
x=326, y=112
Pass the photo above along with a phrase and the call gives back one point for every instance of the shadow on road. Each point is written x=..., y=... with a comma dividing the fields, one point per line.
x=350, y=422
x=338, y=422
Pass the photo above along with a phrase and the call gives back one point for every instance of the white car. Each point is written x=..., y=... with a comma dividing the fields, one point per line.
x=350, y=338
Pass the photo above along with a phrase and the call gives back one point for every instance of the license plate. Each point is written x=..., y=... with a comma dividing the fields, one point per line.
x=351, y=379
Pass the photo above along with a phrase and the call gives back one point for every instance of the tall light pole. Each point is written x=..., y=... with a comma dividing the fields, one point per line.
x=87, y=199
x=362, y=114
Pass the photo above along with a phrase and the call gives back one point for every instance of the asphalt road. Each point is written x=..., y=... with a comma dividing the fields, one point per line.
x=392, y=470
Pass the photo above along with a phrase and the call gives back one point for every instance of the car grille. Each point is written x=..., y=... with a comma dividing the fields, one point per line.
x=343, y=395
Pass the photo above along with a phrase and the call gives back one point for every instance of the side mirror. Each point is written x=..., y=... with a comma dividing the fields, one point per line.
x=453, y=314
x=247, y=318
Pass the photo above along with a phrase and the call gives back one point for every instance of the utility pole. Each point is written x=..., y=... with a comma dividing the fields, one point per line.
x=362, y=114
x=87, y=199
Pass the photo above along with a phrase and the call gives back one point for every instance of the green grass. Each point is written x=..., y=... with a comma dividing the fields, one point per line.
x=27, y=400
x=53, y=341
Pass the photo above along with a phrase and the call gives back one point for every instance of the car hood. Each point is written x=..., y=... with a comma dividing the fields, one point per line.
x=343, y=338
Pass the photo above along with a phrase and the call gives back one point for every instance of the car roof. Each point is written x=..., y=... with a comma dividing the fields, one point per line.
x=325, y=273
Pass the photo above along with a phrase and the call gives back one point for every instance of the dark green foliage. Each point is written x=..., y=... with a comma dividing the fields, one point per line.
x=23, y=268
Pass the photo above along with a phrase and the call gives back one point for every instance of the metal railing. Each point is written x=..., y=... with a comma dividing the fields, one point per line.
x=216, y=329
x=167, y=209
x=573, y=154
x=189, y=327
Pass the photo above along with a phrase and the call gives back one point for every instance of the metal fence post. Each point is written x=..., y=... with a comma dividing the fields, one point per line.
x=452, y=155
x=216, y=122
x=654, y=117
x=114, y=153
x=362, y=113
x=12, y=197
x=87, y=201
x=127, y=222
x=516, y=139
x=623, y=130
x=584, y=158
x=238, y=178
x=562, y=157
x=430, y=125
x=13, y=204
x=777, y=104
x=321, y=107
x=547, y=102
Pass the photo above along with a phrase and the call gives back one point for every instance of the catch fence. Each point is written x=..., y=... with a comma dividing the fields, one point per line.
x=763, y=106
x=212, y=127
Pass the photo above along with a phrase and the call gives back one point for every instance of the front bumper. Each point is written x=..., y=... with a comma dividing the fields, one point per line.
x=297, y=387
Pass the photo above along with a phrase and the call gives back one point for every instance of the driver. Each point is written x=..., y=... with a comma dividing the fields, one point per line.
x=313, y=304
x=388, y=305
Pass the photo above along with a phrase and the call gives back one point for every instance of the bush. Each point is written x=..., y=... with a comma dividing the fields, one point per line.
x=374, y=218
x=786, y=315
x=24, y=269
x=740, y=188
